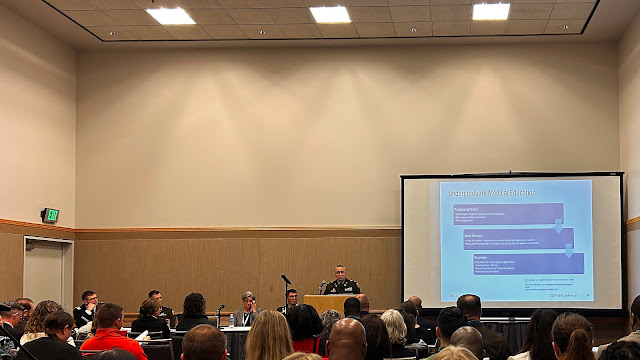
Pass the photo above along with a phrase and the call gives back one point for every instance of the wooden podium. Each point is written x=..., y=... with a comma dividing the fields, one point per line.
x=323, y=303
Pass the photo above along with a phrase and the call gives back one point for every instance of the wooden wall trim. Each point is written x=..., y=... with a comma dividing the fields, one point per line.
x=633, y=224
x=37, y=226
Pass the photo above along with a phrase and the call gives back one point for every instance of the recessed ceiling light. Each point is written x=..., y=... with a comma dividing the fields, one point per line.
x=263, y=32
x=491, y=11
x=113, y=33
x=564, y=26
x=413, y=29
x=330, y=14
x=171, y=16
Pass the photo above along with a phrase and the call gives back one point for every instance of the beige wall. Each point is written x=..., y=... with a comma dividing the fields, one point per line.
x=37, y=122
x=319, y=136
x=629, y=74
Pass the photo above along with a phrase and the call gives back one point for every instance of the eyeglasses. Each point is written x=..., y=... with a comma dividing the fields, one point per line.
x=92, y=298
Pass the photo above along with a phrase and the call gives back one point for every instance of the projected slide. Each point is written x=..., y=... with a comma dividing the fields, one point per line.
x=517, y=240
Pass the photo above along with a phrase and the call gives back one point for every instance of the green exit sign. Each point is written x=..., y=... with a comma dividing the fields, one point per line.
x=49, y=215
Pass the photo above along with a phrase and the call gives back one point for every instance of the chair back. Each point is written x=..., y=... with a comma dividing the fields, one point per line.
x=176, y=341
x=160, y=350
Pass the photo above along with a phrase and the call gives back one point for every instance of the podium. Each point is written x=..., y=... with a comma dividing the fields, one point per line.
x=323, y=303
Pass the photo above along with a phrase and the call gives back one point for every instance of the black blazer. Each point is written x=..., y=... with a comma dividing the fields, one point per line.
x=191, y=321
x=151, y=324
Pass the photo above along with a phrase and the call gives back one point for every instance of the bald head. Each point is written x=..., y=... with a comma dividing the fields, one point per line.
x=416, y=300
x=364, y=301
x=347, y=341
x=470, y=338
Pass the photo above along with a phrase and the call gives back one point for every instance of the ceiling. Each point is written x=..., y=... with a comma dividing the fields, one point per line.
x=109, y=23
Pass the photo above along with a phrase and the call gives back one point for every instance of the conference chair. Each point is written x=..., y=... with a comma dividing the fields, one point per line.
x=176, y=341
x=158, y=349
x=154, y=335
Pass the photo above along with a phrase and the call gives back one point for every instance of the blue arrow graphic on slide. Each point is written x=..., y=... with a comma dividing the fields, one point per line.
x=558, y=225
x=569, y=250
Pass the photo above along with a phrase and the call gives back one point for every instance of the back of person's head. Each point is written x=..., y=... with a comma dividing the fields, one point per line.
x=114, y=354
x=396, y=328
x=378, y=343
x=621, y=350
x=57, y=321
x=329, y=318
x=149, y=306
x=635, y=312
x=194, y=304
x=304, y=322
x=410, y=323
x=348, y=341
x=449, y=320
x=455, y=353
x=470, y=338
x=410, y=308
x=36, y=320
x=470, y=305
x=86, y=294
x=351, y=307
x=269, y=337
x=25, y=302
x=538, y=338
x=364, y=302
x=108, y=314
x=303, y=356
x=204, y=342
x=572, y=336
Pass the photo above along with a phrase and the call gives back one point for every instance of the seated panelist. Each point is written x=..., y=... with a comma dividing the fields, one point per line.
x=342, y=285
x=150, y=321
x=247, y=315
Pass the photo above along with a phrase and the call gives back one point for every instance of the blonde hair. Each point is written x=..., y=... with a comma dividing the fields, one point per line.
x=269, y=337
x=395, y=325
x=303, y=356
x=455, y=353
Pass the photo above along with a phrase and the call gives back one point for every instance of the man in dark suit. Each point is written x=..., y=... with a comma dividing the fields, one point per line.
x=166, y=313
x=292, y=301
x=495, y=345
x=428, y=325
x=11, y=318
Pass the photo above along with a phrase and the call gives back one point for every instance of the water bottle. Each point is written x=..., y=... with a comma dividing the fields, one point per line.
x=231, y=320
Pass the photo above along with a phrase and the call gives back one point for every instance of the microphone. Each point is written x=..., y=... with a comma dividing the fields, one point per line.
x=220, y=308
x=320, y=288
x=284, y=277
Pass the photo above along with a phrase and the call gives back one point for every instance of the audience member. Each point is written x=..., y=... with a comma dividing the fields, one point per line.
x=364, y=304
x=378, y=343
x=85, y=313
x=397, y=330
x=450, y=319
x=28, y=308
x=470, y=338
x=58, y=326
x=114, y=354
x=352, y=308
x=634, y=320
x=108, y=335
x=419, y=333
x=303, y=356
x=150, y=321
x=428, y=325
x=247, y=315
x=204, y=342
x=305, y=324
x=329, y=318
x=455, y=353
x=621, y=350
x=292, y=301
x=193, y=312
x=11, y=318
x=166, y=313
x=495, y=344
x=572, y=337
x=342, y=285
x=347, y=341
x=269, y=337
x=537, y=342
x=35, y=326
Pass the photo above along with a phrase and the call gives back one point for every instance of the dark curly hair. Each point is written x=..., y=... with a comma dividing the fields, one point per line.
x=304, y=322
x=194, y=304
x=621, y=350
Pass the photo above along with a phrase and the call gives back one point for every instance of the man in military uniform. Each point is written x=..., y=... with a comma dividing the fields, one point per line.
x=165, y=312
x=292, y=301
x=84, y=313
x=342, y=285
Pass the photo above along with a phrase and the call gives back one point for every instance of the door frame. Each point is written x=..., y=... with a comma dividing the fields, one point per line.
x=67, y=267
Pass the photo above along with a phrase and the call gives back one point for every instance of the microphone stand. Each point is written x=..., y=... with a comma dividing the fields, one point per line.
x=6, y=332
x=218, y=316
x=286, y=297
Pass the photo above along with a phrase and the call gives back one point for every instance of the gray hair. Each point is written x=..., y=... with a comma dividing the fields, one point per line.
x=248, y=294
x=329, y=318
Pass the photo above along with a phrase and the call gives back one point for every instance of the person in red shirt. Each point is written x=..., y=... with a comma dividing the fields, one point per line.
x=108, y=334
